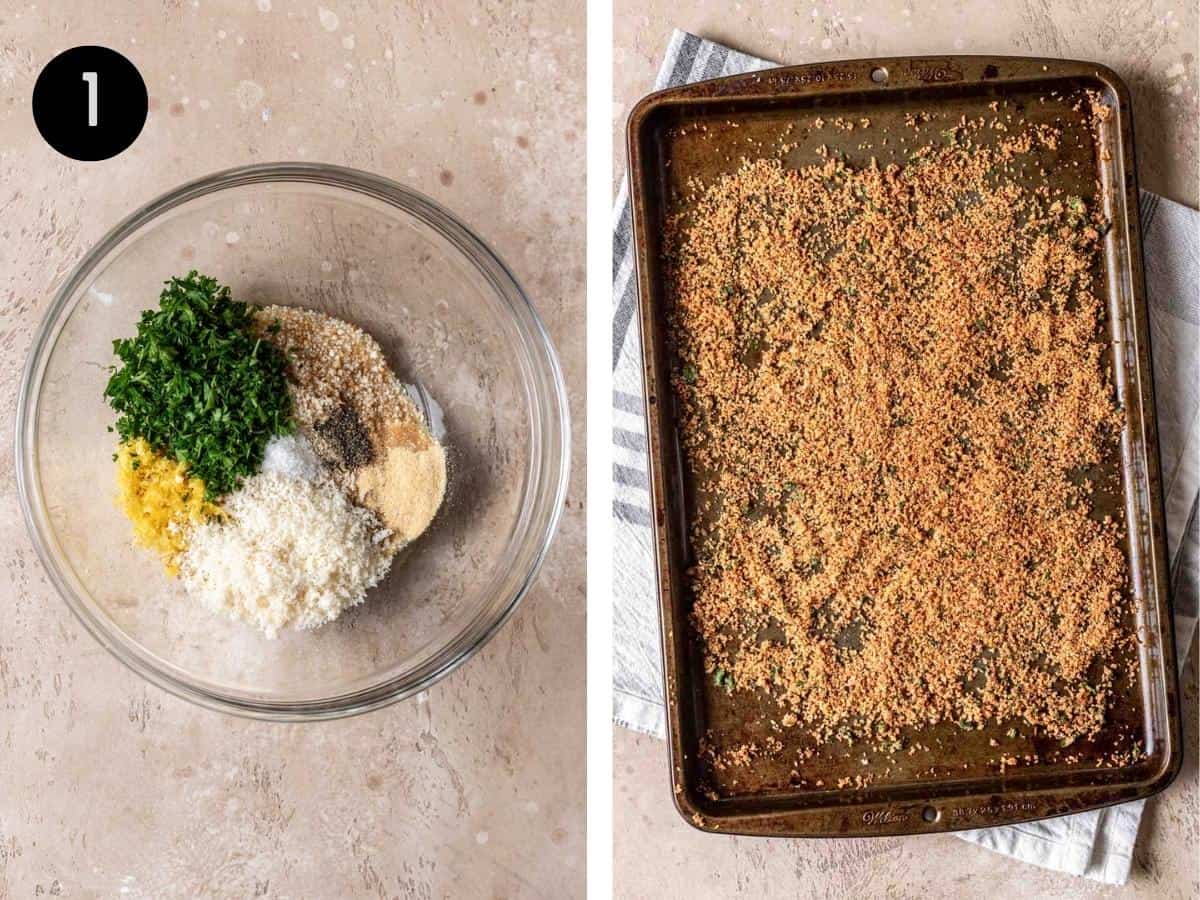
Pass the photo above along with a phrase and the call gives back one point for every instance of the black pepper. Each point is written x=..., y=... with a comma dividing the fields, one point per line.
x=344, y=438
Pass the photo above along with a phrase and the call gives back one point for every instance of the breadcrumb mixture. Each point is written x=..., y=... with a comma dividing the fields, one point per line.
x=336, y=368
x=359, y=419
x=895, y=406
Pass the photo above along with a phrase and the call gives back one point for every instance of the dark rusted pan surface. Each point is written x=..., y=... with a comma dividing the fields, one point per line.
x=955, y=785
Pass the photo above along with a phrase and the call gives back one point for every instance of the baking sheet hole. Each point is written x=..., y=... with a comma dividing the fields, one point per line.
x=929, y=814
x=879, y=75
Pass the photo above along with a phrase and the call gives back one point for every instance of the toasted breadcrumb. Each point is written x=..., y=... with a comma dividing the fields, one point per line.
x=894, y=405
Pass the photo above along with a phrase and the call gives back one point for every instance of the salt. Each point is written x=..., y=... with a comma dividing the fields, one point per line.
x=292, y=455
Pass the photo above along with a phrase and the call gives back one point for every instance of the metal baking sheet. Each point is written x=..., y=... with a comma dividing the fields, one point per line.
x=704, y=130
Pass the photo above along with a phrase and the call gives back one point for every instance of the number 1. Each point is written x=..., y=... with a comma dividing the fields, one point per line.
x=90, y=78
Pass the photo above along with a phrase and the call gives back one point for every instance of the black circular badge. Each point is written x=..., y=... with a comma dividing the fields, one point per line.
x=90, y=103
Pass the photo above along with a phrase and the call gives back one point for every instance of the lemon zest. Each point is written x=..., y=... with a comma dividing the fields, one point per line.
x=160, y=499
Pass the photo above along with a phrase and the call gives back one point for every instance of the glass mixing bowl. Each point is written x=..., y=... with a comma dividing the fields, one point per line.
x=455, y=325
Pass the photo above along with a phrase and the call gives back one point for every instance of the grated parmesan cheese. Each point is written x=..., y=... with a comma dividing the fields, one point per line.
x=290, y=552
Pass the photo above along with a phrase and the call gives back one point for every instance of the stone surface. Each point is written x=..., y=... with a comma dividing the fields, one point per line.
x=659, y=855
x=112, y=788
x=1153, y=46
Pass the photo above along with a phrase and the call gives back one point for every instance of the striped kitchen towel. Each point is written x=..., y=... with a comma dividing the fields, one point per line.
x=1099, y=844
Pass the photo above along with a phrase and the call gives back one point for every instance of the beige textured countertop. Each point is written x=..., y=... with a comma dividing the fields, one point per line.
x=110, y=788
x=1153, y=45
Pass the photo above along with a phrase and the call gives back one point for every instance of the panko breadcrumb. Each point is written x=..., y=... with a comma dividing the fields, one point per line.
x=894, y=406
x=333, y=365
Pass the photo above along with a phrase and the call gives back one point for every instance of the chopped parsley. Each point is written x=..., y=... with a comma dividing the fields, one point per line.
x=723, y=679
x=197, y=384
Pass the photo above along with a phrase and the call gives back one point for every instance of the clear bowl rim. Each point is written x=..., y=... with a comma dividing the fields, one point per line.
x=553, y=420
